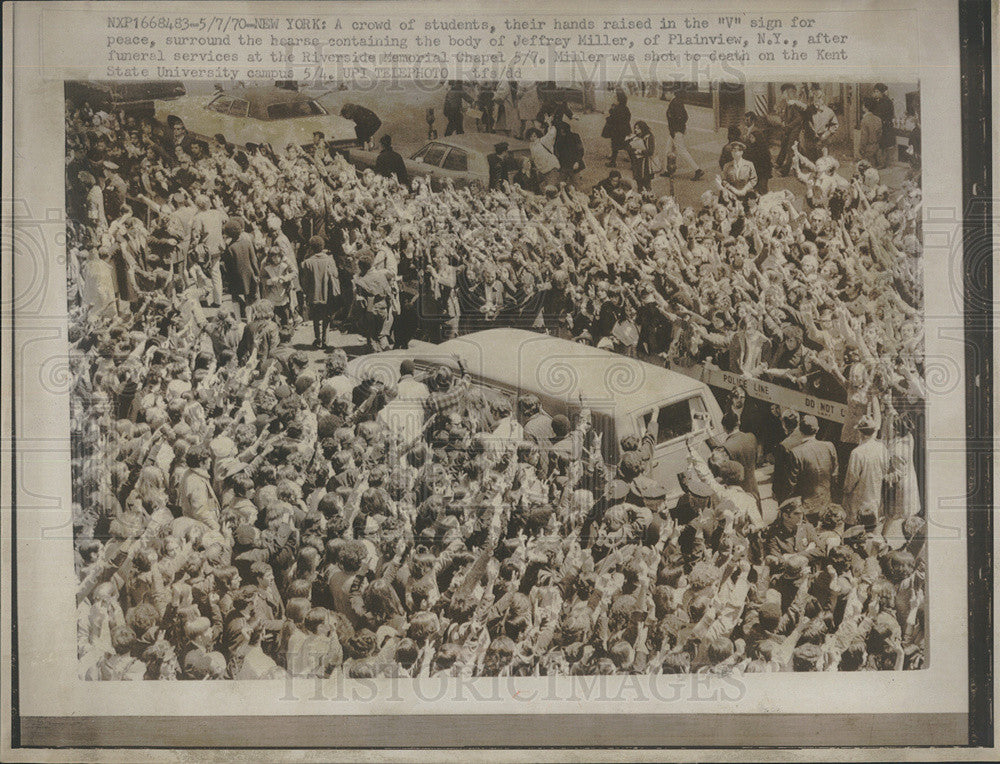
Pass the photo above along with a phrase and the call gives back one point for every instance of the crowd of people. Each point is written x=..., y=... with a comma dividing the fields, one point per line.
x=245, y=508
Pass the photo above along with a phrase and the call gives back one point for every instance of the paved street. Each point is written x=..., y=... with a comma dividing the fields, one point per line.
x=402, y=110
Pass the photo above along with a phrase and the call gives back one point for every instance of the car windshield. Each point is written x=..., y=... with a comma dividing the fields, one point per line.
x=431, y=154
x=292, y=109
x=456, y=160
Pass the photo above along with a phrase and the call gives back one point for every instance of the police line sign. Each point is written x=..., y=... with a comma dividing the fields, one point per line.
x=766, y=391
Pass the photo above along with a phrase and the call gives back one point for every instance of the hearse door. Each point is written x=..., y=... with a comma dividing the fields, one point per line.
x=678, y=423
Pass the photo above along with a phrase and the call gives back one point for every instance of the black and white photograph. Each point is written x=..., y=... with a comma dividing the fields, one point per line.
x=496, y=378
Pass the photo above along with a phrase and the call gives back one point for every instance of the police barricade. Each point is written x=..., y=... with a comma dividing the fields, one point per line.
x=766, y=391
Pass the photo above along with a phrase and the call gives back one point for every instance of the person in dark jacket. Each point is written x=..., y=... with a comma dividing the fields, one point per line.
x=453, y=101
x=791, y=111
x=884, y=111
x=526, y=176
x=389, y=162
x=484, y=102
x=741, y=447
x=759, y=155
x=497, y=162
x=242, y=267
x=618, y=125
x=615, y=186
x=677, y=118
x=568, y=149
x=321, y=285
x=781, y=480
x=366, y=122
x=814, y=468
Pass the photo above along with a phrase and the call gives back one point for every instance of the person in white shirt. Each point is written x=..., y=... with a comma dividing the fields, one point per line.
x=409, y=388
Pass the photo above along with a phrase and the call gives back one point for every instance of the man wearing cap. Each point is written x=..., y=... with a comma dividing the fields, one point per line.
x=814, y=467
x=390, y=163
x=791, y=533
x=739, y=177
x=866, y=471
x=697, y=497
x=321, y=285
x=497, y=162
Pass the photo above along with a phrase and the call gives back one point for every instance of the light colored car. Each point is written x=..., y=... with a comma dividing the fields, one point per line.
x=264, y=114
x=461, y=158
x=622, y=393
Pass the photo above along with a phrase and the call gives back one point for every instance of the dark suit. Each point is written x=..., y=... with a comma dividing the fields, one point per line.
x=781, y=481
x=389, y=163
x=321, y=284
x=366, y=123
x=791, y=126
x=814, y=468
x=243, y=268
x=885, y=111
x=742, y=448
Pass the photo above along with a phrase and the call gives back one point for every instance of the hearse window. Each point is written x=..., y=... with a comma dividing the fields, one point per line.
x=674, y=421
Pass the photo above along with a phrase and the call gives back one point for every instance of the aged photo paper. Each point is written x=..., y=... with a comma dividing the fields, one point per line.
x=394, y=375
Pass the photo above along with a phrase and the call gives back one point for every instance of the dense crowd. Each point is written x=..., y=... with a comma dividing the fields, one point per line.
x=243, y=510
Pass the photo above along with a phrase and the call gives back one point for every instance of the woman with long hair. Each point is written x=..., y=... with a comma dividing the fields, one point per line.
x=641, y=146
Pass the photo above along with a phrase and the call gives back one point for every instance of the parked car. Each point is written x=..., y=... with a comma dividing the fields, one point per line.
x=134, y=97
x=566, y=92
x=260, y=114
x=622, y=393
x=462, y=158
